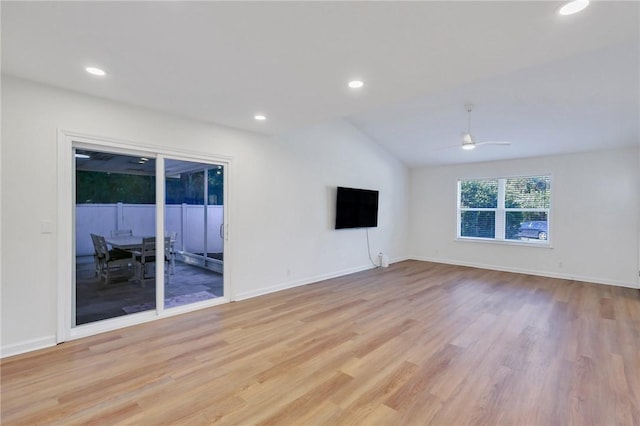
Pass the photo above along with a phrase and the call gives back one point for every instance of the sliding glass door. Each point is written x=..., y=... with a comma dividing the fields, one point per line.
x=119, y=268
x=194, y=224
x=115, y=208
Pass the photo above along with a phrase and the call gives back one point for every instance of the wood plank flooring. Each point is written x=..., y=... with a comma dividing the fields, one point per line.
x=416, y=343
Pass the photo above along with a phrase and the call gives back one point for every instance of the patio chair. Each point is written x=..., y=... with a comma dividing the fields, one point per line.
x=173, y=236
x=97, y=256
x=109, y=260
x=122, y=233
x=147, y=256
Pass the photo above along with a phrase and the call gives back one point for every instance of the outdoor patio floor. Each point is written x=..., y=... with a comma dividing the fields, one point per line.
x=97, y=301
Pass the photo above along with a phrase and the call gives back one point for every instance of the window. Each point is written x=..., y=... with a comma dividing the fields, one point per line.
x=505, y=209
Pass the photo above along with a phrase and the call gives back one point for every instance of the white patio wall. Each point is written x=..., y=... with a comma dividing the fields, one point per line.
x=186, y=220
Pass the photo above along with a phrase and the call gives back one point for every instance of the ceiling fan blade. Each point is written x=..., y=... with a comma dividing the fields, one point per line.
x=494, y=143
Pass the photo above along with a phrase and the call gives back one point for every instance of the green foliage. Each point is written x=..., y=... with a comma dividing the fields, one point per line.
x=479, y=194
x=528, y=193
x=216, y=186
x=189, y=187
x=520, y=193
x=110, y=188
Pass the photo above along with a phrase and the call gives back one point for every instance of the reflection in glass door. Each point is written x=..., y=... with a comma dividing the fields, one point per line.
x=194, y=225
x=115, y=208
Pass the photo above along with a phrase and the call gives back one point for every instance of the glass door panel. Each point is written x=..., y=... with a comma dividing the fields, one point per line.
x=193, y=220
x=114, y=210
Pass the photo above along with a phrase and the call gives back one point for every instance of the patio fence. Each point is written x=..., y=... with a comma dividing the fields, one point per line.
x=186, y=220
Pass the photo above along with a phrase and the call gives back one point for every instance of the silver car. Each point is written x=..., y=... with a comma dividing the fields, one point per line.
x=534, y=229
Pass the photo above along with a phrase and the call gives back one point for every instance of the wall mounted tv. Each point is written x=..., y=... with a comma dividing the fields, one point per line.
x=356, y=208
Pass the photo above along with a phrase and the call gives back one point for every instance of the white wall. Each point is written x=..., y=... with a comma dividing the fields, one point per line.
x=595, y=208
x=297, y=216
x=281, y=198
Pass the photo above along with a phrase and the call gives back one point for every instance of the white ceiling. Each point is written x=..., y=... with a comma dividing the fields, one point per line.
x=550, y=84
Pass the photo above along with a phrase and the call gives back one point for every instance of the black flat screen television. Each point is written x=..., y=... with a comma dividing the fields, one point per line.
x=356, y=208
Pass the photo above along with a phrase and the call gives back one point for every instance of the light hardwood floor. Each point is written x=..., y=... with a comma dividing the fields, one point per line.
x=416, y=343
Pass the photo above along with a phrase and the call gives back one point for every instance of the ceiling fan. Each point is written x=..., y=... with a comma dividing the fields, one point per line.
x=469, y=141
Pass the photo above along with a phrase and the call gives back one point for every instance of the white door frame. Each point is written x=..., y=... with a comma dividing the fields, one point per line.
x=67, y=141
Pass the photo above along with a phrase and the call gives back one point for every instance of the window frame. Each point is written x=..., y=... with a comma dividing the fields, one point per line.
x=501, y=211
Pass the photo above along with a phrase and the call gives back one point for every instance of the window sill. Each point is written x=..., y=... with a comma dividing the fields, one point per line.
x=536, y=244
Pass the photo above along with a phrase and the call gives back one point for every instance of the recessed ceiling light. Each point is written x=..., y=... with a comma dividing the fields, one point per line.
x=95, y=71
x=260, y=117
x=573, y=7
x=356, y=84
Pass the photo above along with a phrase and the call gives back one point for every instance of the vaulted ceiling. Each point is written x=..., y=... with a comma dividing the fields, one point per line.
x=550, y=84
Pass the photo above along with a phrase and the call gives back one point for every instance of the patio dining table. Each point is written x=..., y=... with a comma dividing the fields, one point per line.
x=133, y=244
x=125, y=242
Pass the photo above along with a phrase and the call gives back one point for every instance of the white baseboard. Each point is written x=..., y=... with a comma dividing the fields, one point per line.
x=399, y=259
x=27, y=346
x=571, y=277
x=298, y=283
x=309, y=280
